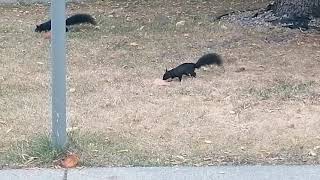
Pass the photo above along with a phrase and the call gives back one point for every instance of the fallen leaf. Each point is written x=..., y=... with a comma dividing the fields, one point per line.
x=123, y=151
x=180, y=157
x=312, y=153
x=224, y=27
x=8, y=131
x=180, y=23
x=70, y=161
x=141, y=28
x=129, y=19
x=134, y=44
x=205, y=68
x=208, y=142
x=110, y=128
x=72, y=90
x=72, y=129
x=316, y=148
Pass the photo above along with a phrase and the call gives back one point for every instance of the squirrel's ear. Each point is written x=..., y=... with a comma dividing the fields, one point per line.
x=166, y=70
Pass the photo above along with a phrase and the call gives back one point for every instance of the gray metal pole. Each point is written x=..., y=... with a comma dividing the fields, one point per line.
x=58, y=56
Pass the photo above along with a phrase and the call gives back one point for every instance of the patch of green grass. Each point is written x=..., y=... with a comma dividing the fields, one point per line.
x=42, y=149
x=97, y=149
x=284, y=90
x=94, y=149
x=38, y=151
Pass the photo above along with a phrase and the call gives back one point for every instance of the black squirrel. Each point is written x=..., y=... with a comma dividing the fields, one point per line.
x=189, y=68
x=72, y=20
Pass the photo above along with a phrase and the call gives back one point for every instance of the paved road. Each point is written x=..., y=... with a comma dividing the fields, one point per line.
x=167, y=173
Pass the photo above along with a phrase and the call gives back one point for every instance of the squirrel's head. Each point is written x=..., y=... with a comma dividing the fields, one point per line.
x=38, y=28
x=166, y=75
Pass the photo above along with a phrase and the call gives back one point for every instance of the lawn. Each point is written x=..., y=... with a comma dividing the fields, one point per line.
x=263, y=107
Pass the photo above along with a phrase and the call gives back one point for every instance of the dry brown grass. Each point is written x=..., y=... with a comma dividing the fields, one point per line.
x=268, y=113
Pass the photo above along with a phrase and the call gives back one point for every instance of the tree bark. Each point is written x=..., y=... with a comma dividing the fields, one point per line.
x=297, y=8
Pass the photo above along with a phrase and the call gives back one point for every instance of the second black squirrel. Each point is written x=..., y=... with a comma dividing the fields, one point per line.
x=72, y=20
x=189, y=68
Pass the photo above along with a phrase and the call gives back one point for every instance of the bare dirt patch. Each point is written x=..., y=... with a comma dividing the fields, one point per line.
x=267, y=112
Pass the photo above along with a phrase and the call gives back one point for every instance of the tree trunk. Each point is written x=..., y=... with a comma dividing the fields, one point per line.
x=297, y=8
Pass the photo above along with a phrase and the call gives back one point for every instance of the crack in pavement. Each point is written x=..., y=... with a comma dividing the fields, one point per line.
x=65, y=175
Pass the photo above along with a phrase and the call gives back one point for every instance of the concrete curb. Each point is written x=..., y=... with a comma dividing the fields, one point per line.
x=32, y=174
x=168, y=173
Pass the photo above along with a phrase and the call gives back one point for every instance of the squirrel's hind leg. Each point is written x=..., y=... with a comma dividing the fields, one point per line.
x=193, y=74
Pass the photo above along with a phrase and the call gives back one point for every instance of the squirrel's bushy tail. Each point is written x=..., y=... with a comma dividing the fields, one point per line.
x=207, y=59
x=80, y=18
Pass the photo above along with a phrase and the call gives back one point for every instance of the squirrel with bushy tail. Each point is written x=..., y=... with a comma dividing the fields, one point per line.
x=188, y=69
